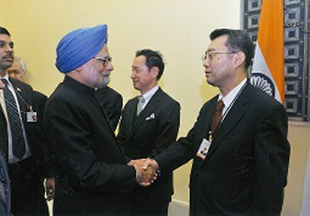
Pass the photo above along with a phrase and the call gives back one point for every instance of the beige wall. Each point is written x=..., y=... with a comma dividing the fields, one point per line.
x=1, y=7
x=178, y=28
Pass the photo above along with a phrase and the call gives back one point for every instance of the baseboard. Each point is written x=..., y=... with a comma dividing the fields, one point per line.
x=178, y=208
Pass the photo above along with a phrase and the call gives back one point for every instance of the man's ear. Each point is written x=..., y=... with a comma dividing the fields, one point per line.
x=239, y=59
x=154, y=71
x=79, y=69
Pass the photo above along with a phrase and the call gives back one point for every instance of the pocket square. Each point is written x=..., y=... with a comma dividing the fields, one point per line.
x=152, y=116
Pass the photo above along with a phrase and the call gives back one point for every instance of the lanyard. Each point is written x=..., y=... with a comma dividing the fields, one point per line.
x=226, y=111
x=18, y=95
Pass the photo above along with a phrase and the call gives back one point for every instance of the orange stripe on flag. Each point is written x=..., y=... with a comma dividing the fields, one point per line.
x=271, y=40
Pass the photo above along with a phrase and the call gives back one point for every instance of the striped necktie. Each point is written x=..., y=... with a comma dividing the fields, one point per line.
x=18, y=139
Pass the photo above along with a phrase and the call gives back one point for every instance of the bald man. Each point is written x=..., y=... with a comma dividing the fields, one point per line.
x=18, y=69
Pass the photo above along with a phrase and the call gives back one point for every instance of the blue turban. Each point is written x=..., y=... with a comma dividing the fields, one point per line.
x=79, y=46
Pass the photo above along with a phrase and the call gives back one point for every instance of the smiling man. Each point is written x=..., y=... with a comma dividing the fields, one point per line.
x=92, y=177
x=148, y=128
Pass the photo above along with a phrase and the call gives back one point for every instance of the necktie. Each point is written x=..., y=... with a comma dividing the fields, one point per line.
x=18, y=141
x=217, y=116
x=140, y=104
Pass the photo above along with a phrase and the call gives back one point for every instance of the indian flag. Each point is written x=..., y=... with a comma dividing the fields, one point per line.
x=268, y=65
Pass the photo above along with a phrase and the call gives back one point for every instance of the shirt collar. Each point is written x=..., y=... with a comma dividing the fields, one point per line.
x=6, y=76
x=228, y=99
x=148, y=95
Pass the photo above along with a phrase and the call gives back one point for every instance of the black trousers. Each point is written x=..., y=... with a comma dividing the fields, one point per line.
x=149, y=204
x=27, y=190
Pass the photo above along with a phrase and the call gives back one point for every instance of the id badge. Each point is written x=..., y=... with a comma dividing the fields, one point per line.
x=203, y=149
x=31, y=116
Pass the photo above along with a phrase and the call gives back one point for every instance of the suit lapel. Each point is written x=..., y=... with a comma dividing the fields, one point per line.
x=130, y=115
x=147, y=111
x=235, y=114
x=3, y=133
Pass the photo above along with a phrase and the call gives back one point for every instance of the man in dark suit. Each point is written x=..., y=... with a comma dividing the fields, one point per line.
x=92, y=177
x=239, y=166
x=24, y=166
x=112, y=103
x=18, y=71
x=151, y=131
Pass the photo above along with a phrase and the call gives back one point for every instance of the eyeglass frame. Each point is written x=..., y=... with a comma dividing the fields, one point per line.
x=211, y=53
x=105, y=60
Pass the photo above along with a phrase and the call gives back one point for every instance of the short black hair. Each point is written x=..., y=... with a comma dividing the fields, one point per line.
x=153, y=59
x=238, y=40
x=4, y=31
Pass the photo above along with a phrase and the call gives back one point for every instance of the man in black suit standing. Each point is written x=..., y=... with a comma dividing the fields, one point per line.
x=92, y=176
x=18, y=71
x=21, y=137
x=239, y=142
x=147, y=131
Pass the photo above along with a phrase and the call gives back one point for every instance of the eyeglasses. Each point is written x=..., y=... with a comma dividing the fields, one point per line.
x=105, y=60
x=210, y=54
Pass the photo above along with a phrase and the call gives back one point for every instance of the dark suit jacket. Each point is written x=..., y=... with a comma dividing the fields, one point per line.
x=112, y=103
x=245, y=170
x=40, y=100
x=91, y=177
x=149, y=134
x=27, y=174
x=5, y=190
x=34, y=130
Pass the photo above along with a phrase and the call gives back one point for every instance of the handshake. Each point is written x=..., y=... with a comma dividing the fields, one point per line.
x=145, y=170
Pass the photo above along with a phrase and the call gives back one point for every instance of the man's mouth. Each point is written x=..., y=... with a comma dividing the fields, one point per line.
x=8, y=58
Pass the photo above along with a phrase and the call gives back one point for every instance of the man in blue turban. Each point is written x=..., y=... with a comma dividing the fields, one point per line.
x=78, y=47
x=92, y=176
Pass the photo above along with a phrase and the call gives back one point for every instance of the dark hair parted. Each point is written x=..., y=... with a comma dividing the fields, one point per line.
x=4, y=31
x=153, y=59
x=238, y=40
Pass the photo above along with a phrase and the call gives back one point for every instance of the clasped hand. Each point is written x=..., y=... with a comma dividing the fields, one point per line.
x=145, y=171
